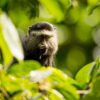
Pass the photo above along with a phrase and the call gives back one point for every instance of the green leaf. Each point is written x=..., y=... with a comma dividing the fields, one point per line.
x=92, y=5
x=54, y=7
x=12, y=84
x=64, y=85
x=23, y=68
x=58, y=77
x=2, y=3
x=11, y=36
x=65, y=3
x=68, y=91
x=7, y=56
x=9, y=83
x=37, y=97
x=55, y=95
x=40, y=74
x=83, y=76
x=94, y=94
x=95, y=69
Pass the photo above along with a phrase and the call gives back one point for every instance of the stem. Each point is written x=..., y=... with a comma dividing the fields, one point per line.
x=83, y=92
x=5, y=93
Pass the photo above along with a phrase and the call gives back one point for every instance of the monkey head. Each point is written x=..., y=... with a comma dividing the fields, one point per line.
x=42, y=39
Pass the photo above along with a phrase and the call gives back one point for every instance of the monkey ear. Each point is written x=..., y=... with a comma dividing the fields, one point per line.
x=29, y=29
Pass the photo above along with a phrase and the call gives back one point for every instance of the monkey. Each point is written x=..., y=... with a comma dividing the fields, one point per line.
x=40, y=44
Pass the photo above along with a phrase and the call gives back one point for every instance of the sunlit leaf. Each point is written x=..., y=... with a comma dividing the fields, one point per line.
x=55, y=8
x=58, y=77
x=11, y=36
x=9, y=83
x=55, y=95
x=12, y=84
x=57, y=73
x=7, y=56
x=92, y=5
x=94, y=94
x=83, y=76
x=27, y=94
x=38, y=75
x=63, y=84
x=66, y=3
x=68, y=91
x=23, y=68
x=95, y=69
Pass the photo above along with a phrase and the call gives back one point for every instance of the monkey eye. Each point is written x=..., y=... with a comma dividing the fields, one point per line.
x=33, y=34
x=49, y=36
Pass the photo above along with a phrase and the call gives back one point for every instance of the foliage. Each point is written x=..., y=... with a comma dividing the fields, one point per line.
x=28, y=80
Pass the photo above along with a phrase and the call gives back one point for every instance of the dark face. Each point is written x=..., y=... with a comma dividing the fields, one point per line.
x=42, y=43
x=42, y=37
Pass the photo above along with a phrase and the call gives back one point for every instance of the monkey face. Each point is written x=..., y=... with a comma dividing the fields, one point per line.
x=42, y=38
x=43, y=43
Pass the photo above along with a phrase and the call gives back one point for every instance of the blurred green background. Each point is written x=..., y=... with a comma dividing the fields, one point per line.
x=77, y=23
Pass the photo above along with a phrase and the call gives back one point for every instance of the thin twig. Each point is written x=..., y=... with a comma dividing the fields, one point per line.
x=5, y=93
x=83, y=92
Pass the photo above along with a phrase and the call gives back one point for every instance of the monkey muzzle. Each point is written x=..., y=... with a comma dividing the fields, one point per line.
x=43, y=50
